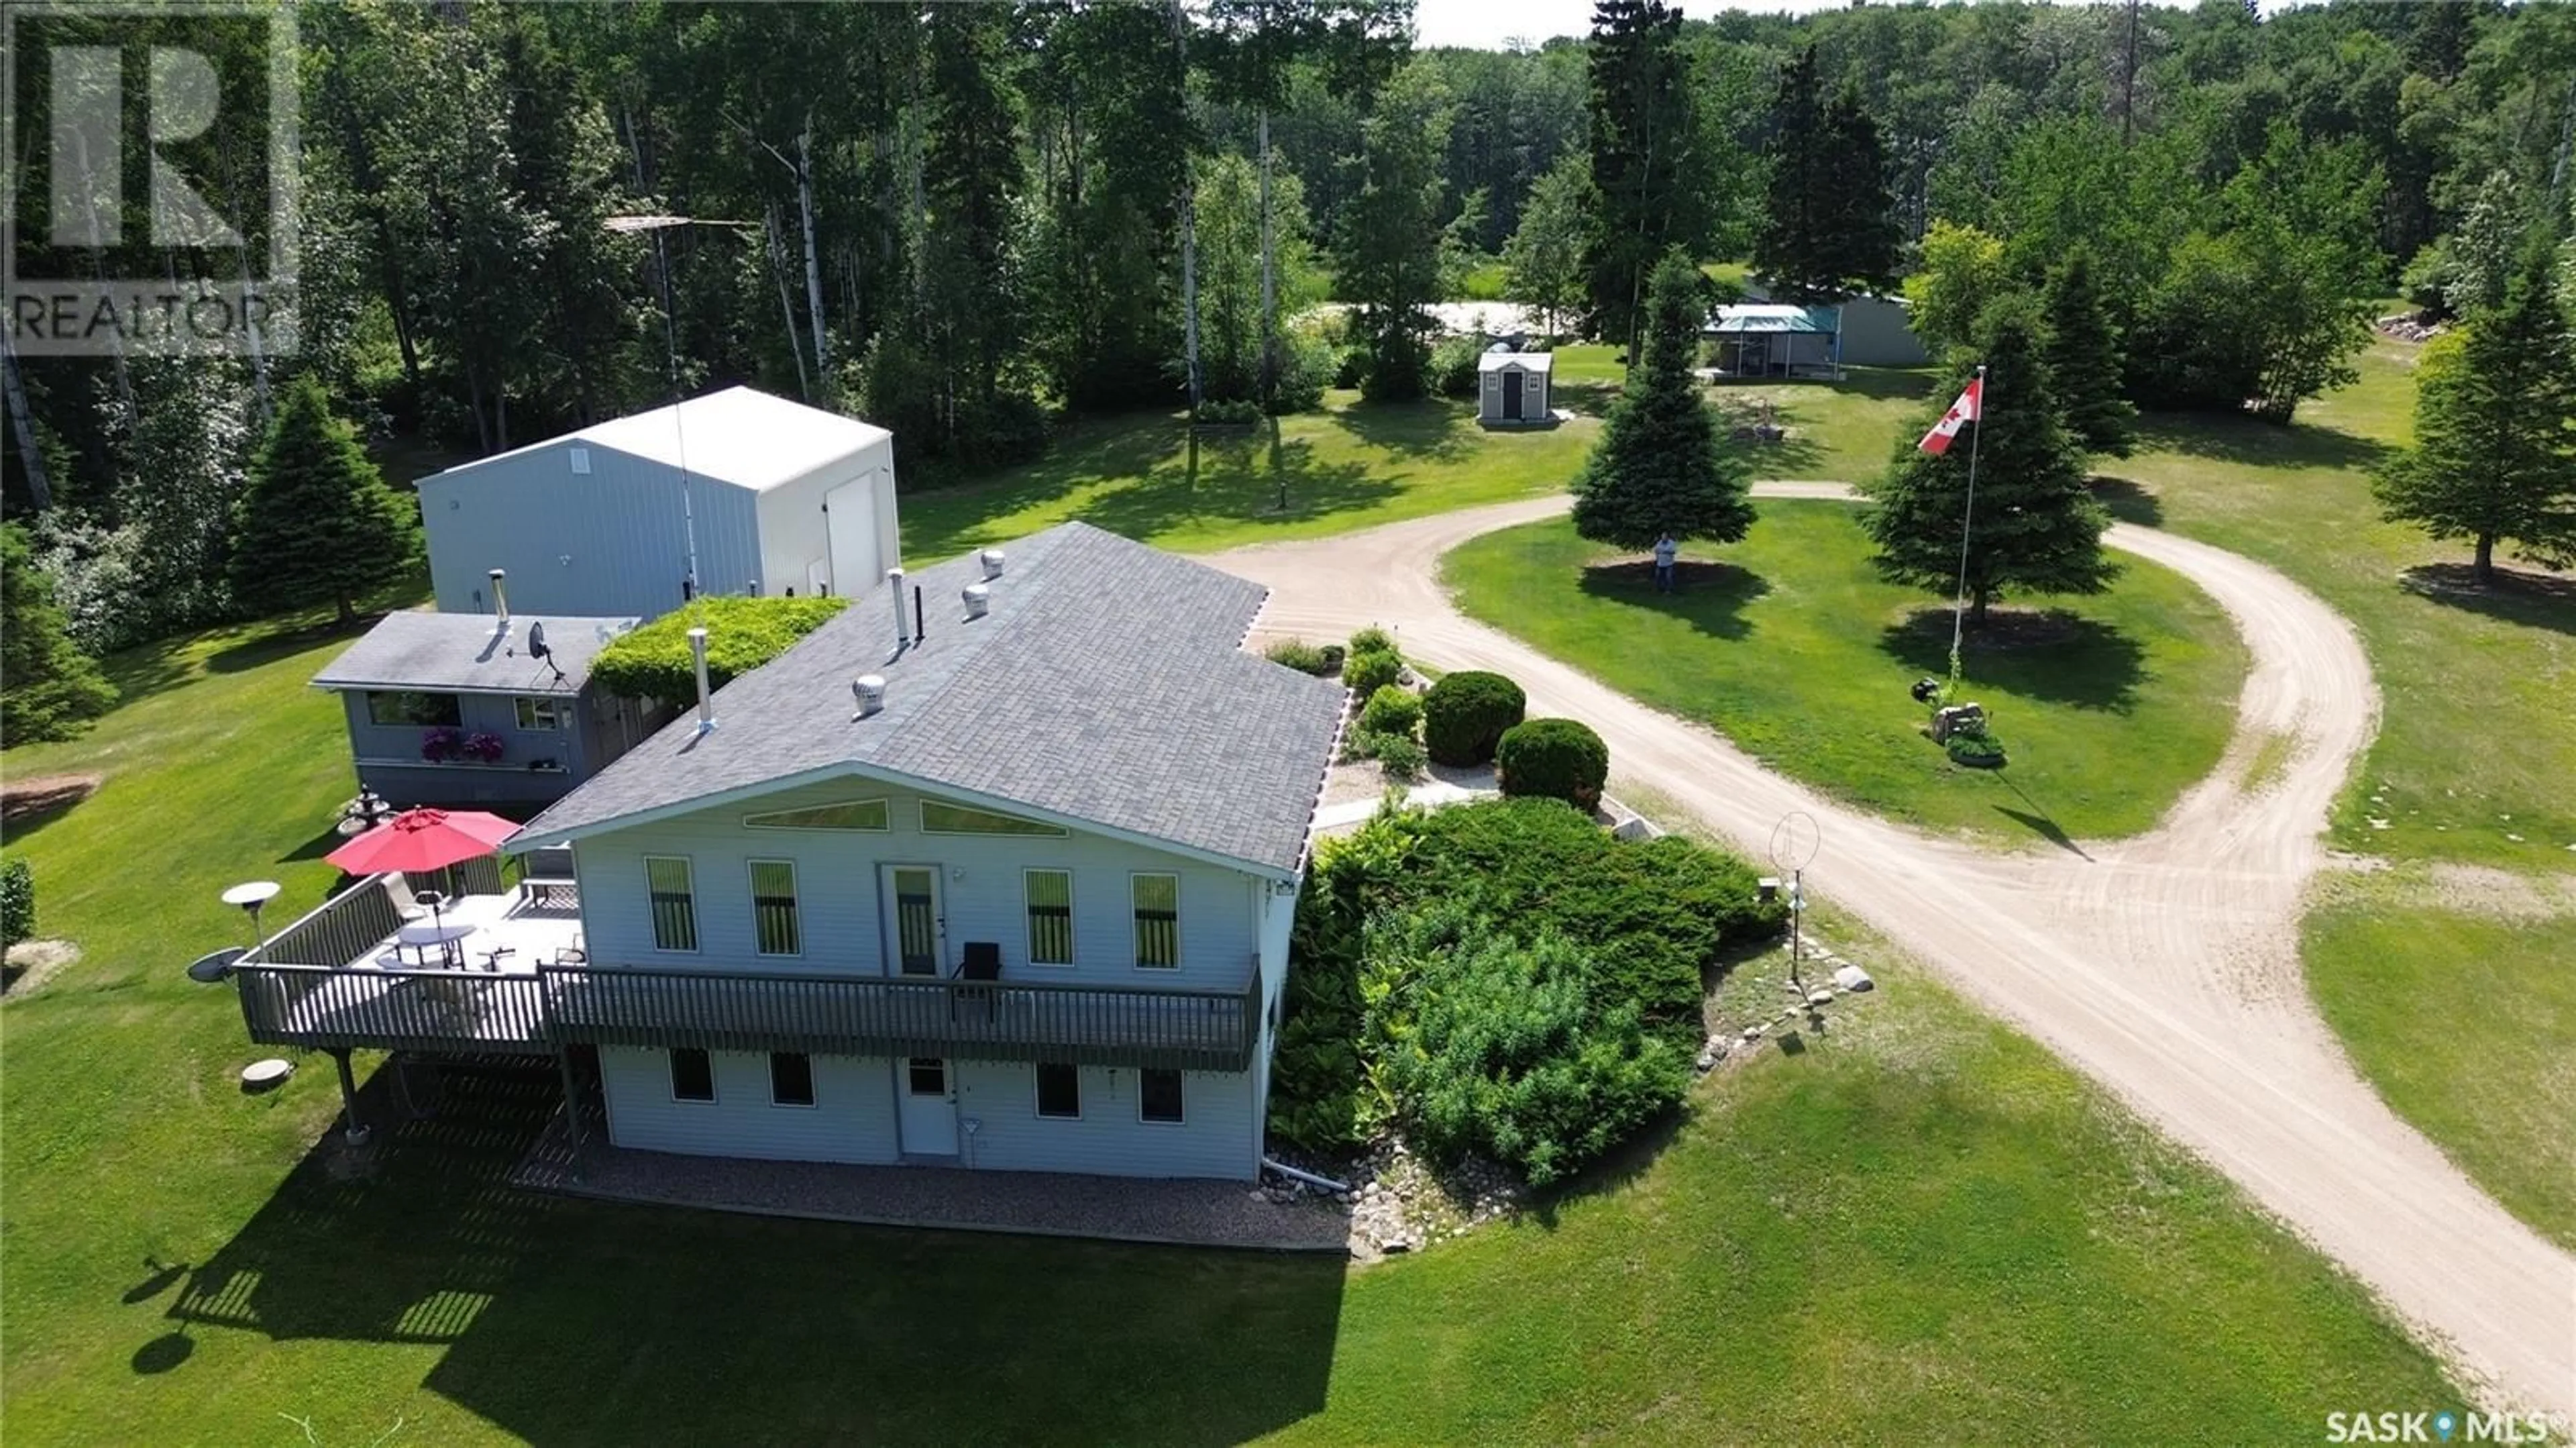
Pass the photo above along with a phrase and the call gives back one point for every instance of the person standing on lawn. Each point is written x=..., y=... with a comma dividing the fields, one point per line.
x=1665, y=549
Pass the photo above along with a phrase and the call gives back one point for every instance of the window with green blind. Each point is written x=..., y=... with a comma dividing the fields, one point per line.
x=773, y=907
x=1158, y=921
x=674, y=898
x=1050, y=917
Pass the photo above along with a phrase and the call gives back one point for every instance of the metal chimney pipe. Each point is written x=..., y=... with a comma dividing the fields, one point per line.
x=706, y=696
x=902, y=625
x=501, y=594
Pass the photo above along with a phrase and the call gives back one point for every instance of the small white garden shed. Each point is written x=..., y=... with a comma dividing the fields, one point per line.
x=1511, y=388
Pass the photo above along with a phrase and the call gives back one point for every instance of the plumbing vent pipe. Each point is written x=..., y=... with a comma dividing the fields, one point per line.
x=902, y=625
x=706, y=696
x=992, y=560
x=920, y=625
x=501, y=594
x=979, y=600
x=870, y=690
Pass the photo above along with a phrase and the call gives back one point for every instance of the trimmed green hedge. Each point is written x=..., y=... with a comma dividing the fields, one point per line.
x=1652, y=915
x=653, y=662
x=17, y=903
x=1553, y=759
x=1392, y=709
x=1465, y=713
x=1369, y=671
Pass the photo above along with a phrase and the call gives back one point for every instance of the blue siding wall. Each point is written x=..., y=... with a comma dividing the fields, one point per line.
x=388, y=756
x=838, y=895
x=1217, y=1138
x=611, y=543
x=852, y=1118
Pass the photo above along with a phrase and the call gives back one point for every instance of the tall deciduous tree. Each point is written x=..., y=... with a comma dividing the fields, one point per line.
x=2084, y=360
x=317, y=523
x=1230, y=293
x=2495, y=431
x=1642, y=138
x=47, y=685
x=1543, y=262
x=1390, y=254
x=2034, y=528
x=1660, y=467
x=1963, y=271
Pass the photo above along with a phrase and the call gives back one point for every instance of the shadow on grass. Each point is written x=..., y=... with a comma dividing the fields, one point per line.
x=1434, y=428
x=2129, y=502
x=2533, y=599
x=575, y=1322
x=2252, y=443
x=1711, y=596
x=1795, y=455
x=2082, y=662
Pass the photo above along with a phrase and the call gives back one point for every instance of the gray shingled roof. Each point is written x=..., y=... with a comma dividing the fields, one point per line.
x=465, y=651
x=1106, y=685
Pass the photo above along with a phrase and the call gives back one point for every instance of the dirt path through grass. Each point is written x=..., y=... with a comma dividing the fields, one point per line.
x=2165, y=966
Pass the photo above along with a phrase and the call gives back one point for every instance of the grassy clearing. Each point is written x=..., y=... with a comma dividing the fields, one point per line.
x=1838, y=431
x=2462, y=1010
x=1152, y=478
x=1935, y=1231
x=1794, y=649
x=2457, y=669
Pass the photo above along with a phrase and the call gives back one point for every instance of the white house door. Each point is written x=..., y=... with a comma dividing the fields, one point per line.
x=917, y=939
x=925, y=1091
x=850, y=523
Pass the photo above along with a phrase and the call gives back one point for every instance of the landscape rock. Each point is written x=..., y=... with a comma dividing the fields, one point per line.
x=1820, y=998
x=1853, y=978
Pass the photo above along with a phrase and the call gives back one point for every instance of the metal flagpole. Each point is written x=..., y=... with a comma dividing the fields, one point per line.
x=1967, y=526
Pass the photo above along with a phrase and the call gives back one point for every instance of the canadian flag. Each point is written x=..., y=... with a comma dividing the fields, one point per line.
x=1970, y=406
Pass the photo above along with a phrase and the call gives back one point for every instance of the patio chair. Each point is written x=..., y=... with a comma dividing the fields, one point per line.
x=982, y=961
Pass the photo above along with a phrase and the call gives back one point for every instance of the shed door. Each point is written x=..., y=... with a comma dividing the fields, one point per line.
x=851, y=511
x=1511, y=394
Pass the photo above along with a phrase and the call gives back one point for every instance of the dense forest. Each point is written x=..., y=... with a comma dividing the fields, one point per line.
x=966, y=220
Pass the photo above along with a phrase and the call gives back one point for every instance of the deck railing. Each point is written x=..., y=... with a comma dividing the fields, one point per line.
x=874, y=1015
x=450, y=1010
x=320, y=1008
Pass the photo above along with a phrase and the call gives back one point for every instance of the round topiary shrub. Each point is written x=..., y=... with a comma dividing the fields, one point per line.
x=1553, y=758
x=1393, y=709
x=1366, y=673
x=1465, y=714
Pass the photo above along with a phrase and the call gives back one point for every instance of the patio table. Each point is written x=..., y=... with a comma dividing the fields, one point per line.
x=424, y=938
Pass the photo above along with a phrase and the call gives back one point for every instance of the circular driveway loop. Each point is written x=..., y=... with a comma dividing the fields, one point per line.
x=2164, y=966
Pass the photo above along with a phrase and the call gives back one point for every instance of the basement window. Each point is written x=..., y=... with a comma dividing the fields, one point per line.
x=693, y=1076
x=1059, y=1091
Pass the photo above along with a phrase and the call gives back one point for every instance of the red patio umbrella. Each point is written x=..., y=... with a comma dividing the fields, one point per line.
x=423, y=839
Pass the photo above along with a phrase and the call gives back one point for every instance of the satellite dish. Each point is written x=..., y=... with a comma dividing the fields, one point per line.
x=537, y=640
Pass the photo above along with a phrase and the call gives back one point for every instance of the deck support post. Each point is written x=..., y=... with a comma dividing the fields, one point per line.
x=356, y=1129
x=572, y=1107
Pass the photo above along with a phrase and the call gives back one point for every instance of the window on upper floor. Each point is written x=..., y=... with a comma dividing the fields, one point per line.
x=672, y=889
x=941, y=818
x=542, y=713
x=791, y=1078
x=401, y=707
x=1158, y=1095
x=773, y=908
x=1050, y=895
x=1059, y=1090
x=1158, y=921
x=693, y=1076
x=855, y=814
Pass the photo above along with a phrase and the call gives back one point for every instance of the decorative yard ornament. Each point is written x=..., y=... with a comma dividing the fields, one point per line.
x=1793, y=847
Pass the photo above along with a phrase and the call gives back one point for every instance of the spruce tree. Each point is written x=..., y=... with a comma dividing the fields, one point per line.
x=2035, y=527
x=1659, y=467
x=1642, y=134
x=2085, y=361
x=2495, y=431
x=317, y=523
x=1863, y=236
x=47, y=685
x=1794, y=238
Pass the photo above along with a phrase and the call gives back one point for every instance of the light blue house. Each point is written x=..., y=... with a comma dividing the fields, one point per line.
x=766, y=495
x=489, y=711
x=994, y=870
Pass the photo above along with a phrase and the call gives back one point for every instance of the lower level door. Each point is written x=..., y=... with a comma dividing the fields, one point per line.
x=925, y=1090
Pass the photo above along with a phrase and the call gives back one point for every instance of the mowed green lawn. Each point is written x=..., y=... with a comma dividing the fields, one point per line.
x=2465, y=1019
x=1153, y=478
x=1791, y=646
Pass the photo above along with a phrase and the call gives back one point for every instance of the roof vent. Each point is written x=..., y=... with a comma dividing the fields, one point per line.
x=902, y=625
x=706, y=696
x=501, y=594
x=581, y=462
x=870, y=689
x=992, y=561
x=979, y=600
